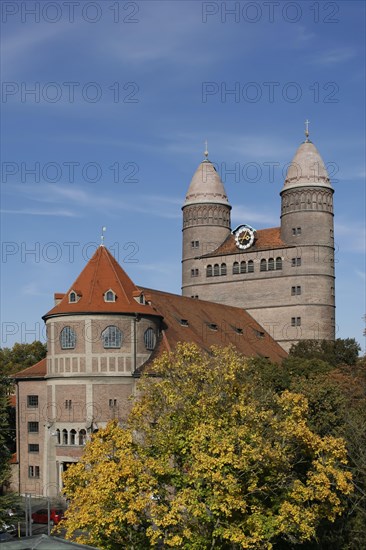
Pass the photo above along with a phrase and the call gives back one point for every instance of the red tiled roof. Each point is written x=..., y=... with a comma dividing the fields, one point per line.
x=266, y=239
x=234, y=326
x=102, y=273
x=35, y=371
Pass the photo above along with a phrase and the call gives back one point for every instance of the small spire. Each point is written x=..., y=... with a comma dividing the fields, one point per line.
x=206, y=150
x=104, y=229
x=307, y=122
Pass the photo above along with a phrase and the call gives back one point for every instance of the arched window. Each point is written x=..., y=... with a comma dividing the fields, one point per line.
x=263, y=265
x=243, y=267
x=271, y=264
x=149, y=339
x=209, y=271
x=72, y=437
x=279, y=263
x=67, y=338
x=72, y=297
x=235, y=268
x=112, y=337
x=58, y=437
x=223, y=269
x=82, y=437
x=250, y=266
x=64, y=437
x=216, y=270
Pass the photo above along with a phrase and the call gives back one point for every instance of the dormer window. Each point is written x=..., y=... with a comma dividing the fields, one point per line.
x=110, y=296
x=212, y=326
x=73, y=297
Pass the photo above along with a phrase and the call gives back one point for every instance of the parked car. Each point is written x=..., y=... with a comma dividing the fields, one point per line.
x=41, y=516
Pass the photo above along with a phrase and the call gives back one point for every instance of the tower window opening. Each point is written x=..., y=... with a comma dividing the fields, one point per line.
x=279, y=263
x=296, y=321
x=216, y=270
x=295, y=290
x=209, y=271
x=223, y=269
x=296, y=262
x=250, y=266
x=235, y=268
x=243, y=267
x=271, y=264
x=194, y=272
x=263, y=265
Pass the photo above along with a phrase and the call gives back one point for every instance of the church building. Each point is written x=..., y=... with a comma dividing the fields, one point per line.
x=259, y=291
x=283, y=276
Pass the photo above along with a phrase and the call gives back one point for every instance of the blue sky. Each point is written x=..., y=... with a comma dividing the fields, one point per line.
x=124, y=96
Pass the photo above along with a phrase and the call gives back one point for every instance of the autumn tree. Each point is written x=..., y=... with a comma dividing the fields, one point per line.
x=336, y=397
x=208, y=459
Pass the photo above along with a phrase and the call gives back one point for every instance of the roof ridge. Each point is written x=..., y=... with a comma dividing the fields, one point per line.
x=94, y=278
x=109, y=256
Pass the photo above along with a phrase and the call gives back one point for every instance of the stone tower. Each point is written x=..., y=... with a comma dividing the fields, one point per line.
x=206, y=222
x=282, y=276
x=307, y=223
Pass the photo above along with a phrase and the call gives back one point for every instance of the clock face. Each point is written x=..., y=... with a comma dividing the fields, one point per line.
x=244, y=237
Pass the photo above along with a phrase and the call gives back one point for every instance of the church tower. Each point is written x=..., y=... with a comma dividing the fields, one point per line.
x=307, y=223
x=206, y=223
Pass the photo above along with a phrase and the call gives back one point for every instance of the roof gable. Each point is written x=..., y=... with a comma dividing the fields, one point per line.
x=101, y=274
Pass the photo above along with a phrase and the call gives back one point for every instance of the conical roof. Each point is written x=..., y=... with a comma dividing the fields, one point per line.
x=101, y=274
x=206, y=186
x=307, y=168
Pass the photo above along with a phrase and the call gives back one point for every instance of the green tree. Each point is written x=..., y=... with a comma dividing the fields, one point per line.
x=335, y=352
x=21, y=356
x=337, y=406
x=209, y=459
x=6, y=499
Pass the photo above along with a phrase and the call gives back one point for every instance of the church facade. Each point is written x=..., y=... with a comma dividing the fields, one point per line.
x=259, y=291
x=283, y=276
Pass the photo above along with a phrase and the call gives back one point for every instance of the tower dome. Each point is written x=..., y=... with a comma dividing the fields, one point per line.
x=206, y=186
x=307, y=169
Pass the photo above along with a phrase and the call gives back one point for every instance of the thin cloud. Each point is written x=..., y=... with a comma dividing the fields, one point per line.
x=242, y=214
x=333, y=57
x=31, y=212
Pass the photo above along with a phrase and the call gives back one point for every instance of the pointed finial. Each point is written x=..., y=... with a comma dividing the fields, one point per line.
x=104, y=229
x=307, y=122
x=206, y=150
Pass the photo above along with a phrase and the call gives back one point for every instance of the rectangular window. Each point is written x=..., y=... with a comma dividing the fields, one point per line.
x=68, y=404
x=195, y=244
x=296, y=262
x=33, y=448
x=33, y=471
x=296, y=230
x=194, y=272
x=32, y=401
x=296, y=321
x=295, y=290
x=112, y=403
x=33, y=427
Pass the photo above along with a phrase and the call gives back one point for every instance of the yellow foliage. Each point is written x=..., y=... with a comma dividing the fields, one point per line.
x=207, y=460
